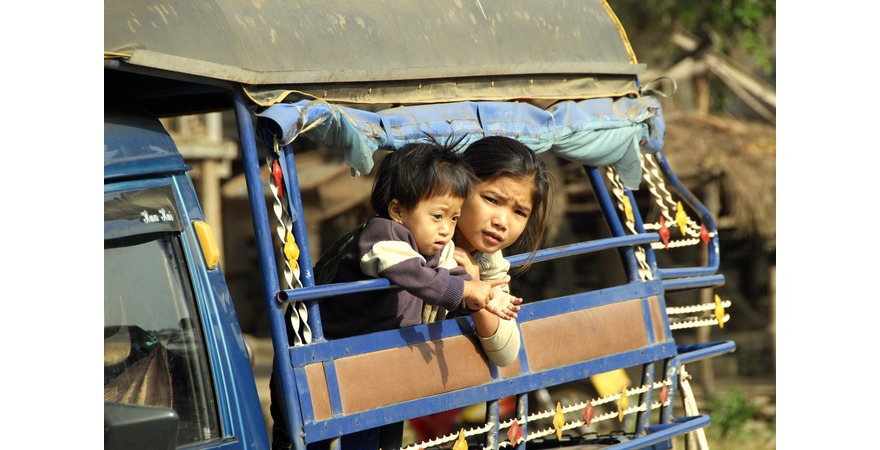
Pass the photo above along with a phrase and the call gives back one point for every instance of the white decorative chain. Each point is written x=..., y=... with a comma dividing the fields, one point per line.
x=299, y=315
x=550, y=413
x=673, y=310
x=617, y=188
x=707, y=322
x=663, y=198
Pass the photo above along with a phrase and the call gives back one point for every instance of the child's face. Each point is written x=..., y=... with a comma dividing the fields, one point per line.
x=432, y=222
x=495, y=214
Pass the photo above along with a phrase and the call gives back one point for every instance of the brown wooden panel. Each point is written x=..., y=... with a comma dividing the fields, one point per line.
x=657, y=319
x=584, y=335
x=511, y=371
x=400, y=374
x=318, y=390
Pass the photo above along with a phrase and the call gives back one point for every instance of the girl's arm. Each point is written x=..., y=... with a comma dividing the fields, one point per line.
x=499, y=338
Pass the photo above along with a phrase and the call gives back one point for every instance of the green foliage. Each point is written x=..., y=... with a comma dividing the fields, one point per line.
x=732, y=22
x=731, y=411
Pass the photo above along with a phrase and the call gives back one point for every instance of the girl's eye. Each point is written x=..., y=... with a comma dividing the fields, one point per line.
x=490, y=200
x=438, y=216
x=520, y=213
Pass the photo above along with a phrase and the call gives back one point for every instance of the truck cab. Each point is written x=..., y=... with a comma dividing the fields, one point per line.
x=175, y=363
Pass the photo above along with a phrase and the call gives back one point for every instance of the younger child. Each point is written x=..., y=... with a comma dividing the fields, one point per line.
x=417, y=194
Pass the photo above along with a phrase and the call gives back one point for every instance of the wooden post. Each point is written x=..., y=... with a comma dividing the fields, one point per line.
x=701, y=93
x=771, y=327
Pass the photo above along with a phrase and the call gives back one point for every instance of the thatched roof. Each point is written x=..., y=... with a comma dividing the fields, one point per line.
x=741, y=153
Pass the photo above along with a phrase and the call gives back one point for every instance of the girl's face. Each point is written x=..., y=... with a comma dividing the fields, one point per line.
x=495, y=214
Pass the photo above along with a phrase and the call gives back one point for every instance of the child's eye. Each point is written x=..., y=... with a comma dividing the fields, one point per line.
x=438, y=216
x=490, y=200
x=521, y=213
x=455, y=218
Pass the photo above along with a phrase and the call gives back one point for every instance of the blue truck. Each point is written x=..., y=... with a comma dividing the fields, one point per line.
x=557, y=76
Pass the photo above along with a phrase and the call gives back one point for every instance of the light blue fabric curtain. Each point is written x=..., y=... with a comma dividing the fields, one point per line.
x=595, y=132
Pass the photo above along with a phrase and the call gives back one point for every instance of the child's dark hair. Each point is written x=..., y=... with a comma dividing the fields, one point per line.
x=496, y=156
x=416, y=172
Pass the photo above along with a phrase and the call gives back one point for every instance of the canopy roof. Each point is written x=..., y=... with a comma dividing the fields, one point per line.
x=377, y=51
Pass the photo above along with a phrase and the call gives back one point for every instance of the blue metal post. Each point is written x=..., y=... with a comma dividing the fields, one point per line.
x=492, y=416
x=302, y=238
x=522, y=410
x=630, y=264
x=268, y=269
x=643, y=418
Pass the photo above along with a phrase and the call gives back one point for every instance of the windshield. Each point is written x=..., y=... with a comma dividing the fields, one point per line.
x=153, y=348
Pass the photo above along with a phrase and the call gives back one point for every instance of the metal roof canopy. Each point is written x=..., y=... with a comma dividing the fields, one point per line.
x=388, y=51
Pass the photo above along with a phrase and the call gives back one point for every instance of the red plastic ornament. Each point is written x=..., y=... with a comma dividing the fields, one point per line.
x=588, y=413
x=664, y=394
x=664, y=232
x=515, y=433
x=704, y=235
x=279, y=178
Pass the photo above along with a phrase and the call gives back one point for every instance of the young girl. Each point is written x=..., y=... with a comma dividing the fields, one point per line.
x=417, y=194
x=509, y=205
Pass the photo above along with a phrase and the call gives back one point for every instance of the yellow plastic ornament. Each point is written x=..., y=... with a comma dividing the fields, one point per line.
x=461, y=442
x=291, y=251
x=558, y=421
x=681, y=217
x=719, y=311
x=622, y=404
x=628, y=210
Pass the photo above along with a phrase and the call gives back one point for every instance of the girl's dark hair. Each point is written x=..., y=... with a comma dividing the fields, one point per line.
x=496, y=156
x=416, y=172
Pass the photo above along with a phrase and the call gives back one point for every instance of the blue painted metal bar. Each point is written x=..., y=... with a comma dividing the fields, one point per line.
x=333, y=380
x=705, y=217
x=522, y=412
x=683, y=272
x=585, y=247
x=493, y=416
x=331, y=290
x=627, y=255
x=659, y=433
x=268, y=270
x=678, y=284
x=302, y=237
x=695, y=352
x=645, y=398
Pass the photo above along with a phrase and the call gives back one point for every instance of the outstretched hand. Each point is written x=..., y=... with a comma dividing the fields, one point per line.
x=503, y=304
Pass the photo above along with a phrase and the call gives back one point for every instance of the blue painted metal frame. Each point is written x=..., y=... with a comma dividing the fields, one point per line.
x=527, y=381
x=707, y=219
x=297, y=405
x=687, y=354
